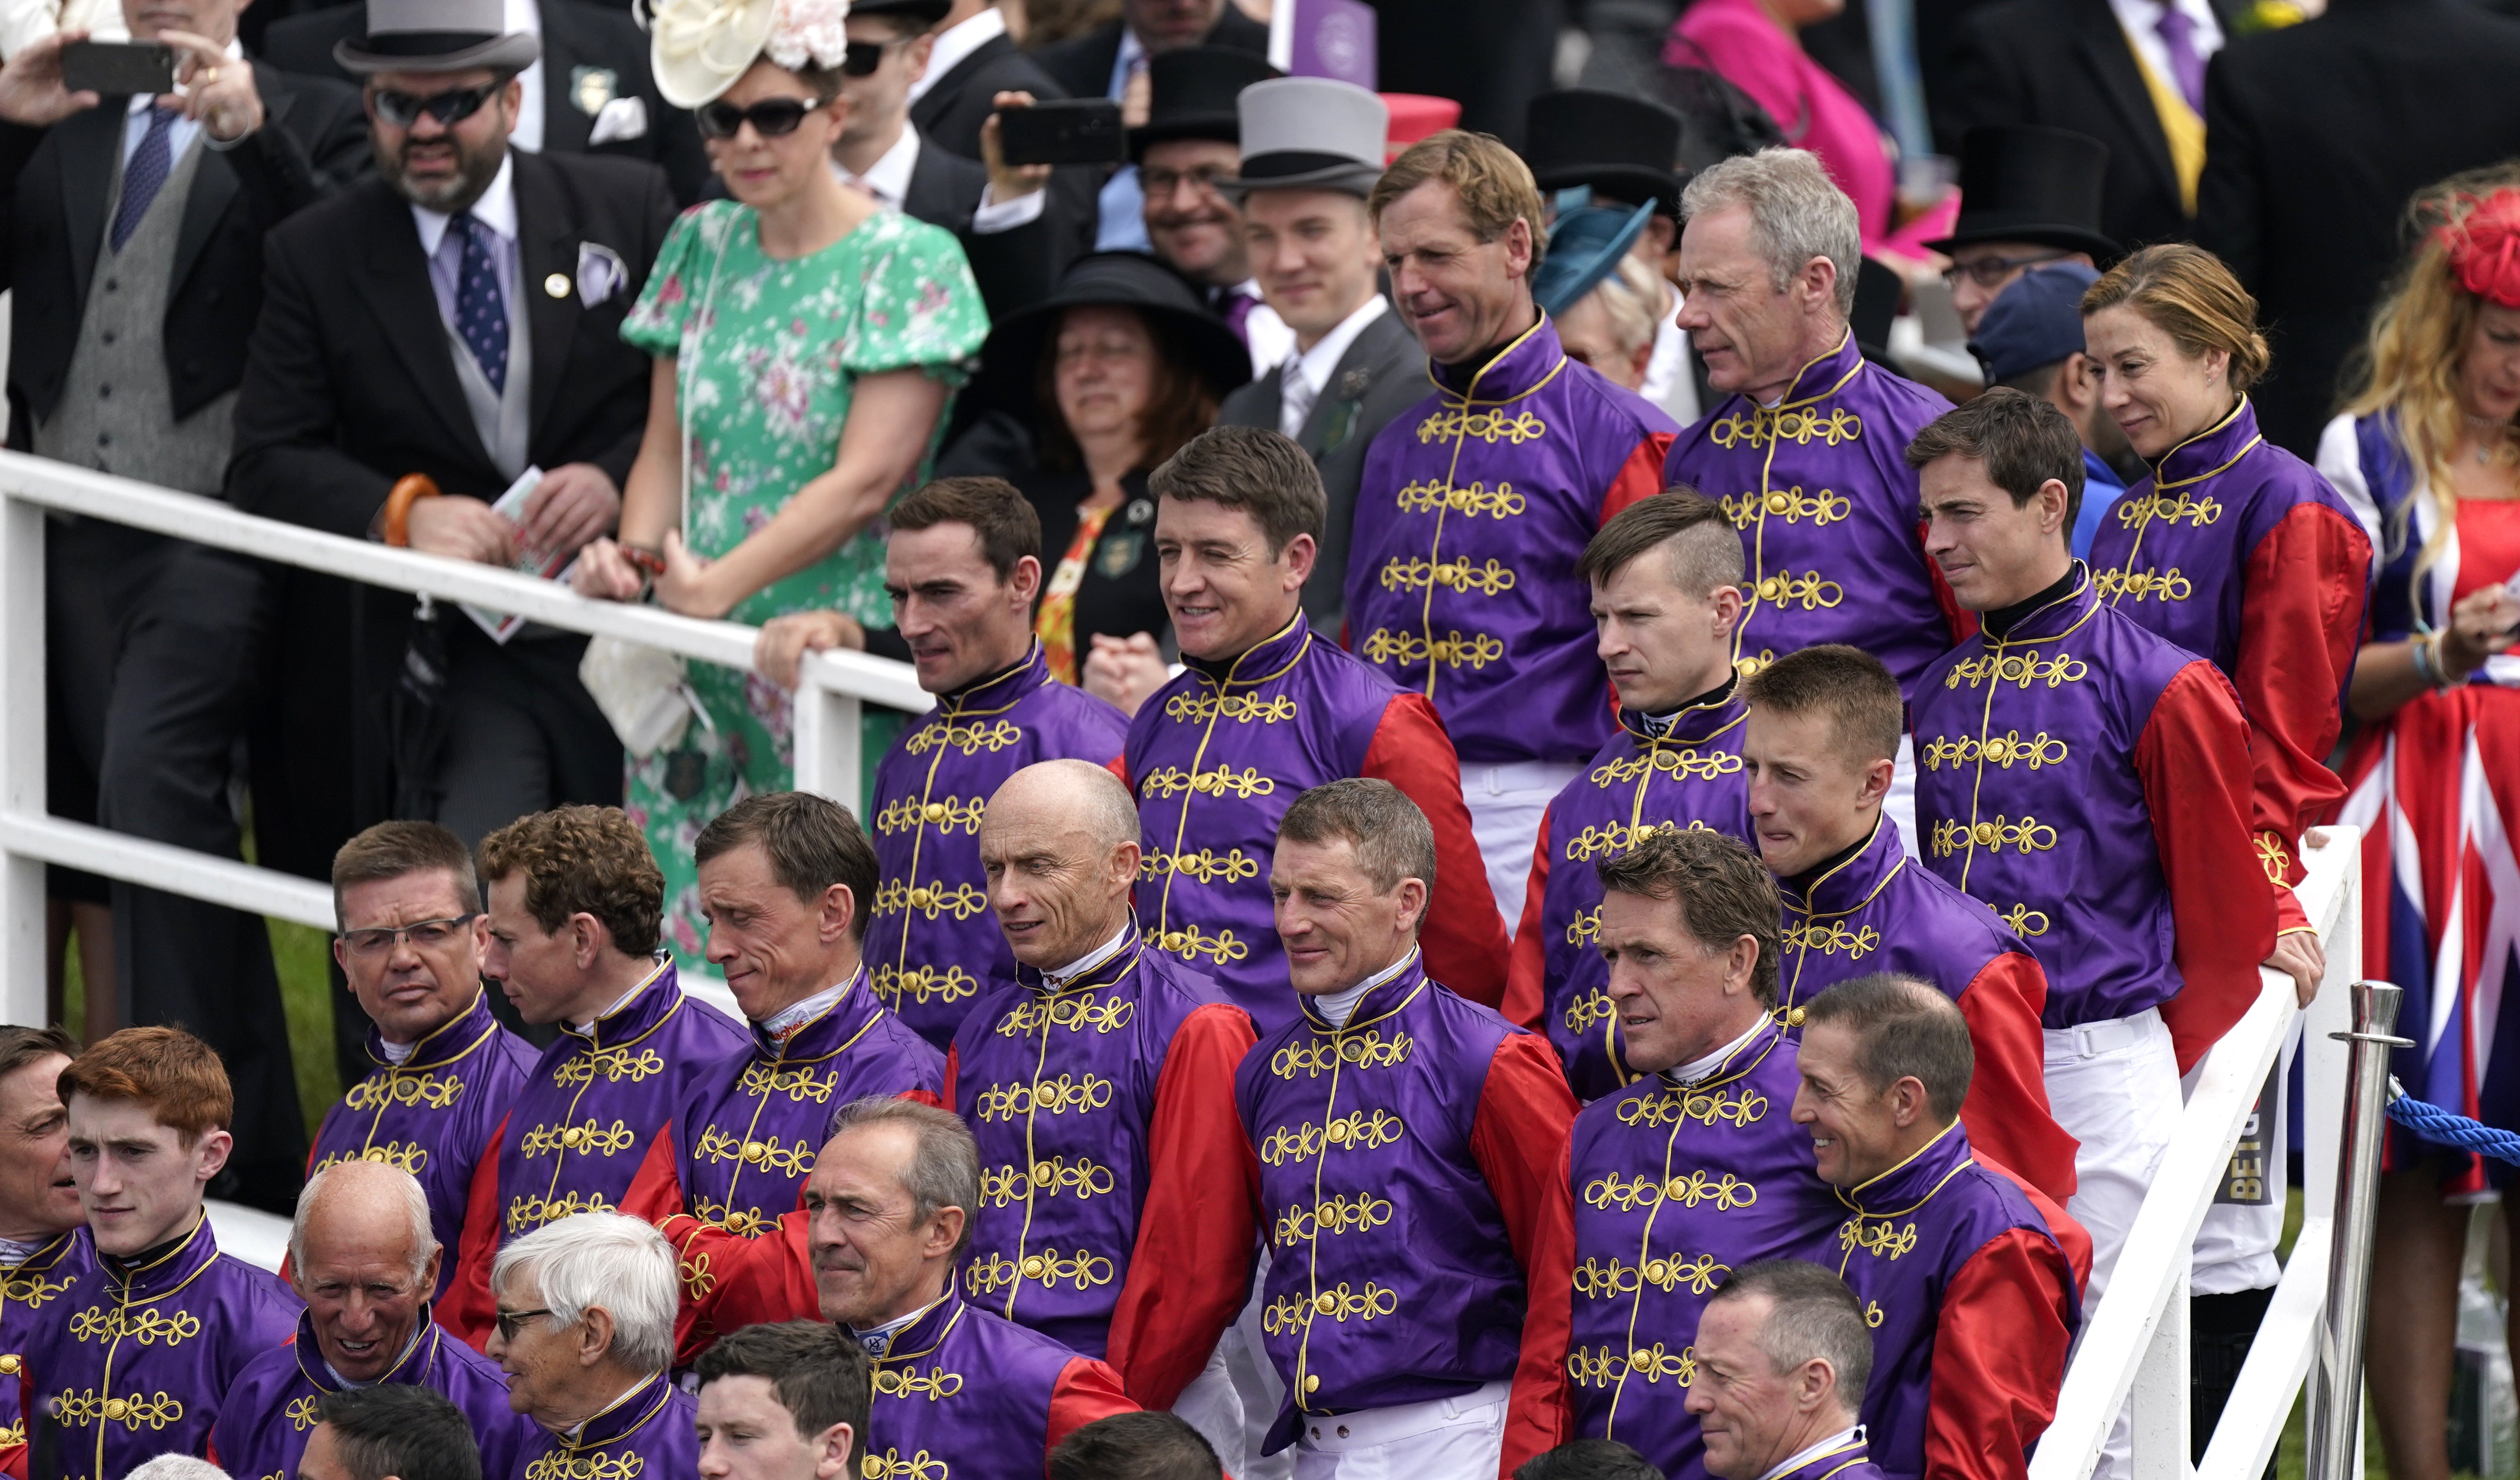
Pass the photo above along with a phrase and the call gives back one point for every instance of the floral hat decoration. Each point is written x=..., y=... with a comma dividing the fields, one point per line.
x=698, y=48
x=2484, y=246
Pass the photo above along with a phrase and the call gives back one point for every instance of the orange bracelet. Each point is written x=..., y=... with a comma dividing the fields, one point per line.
x=408, y=490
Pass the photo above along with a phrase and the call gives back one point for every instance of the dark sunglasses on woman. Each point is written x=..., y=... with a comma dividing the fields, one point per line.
x=402, y=110
x=771, y=118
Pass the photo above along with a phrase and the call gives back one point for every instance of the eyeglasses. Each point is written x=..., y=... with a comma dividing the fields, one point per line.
x=771, y=118
x=1159, y=183
x=402, y=110
x=512, y=1322
x=1991, y=271
x=863, y=57
x=427, y=935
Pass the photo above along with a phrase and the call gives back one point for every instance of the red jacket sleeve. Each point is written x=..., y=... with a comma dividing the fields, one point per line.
x=467, y=1308
x=1464, y=936
x=657, y=1189
x=1191, y=1271
x=1519, y=1138
x=953, y=1072
x=1087, y=1390
x=2070, y=1235
x=1962, y=621
x=2194, y=761
x=2006, y=1111
x=1639, y=476
x=1526, y=978
x=1999, y=1359
x=2301, y=621
x=731, y=1281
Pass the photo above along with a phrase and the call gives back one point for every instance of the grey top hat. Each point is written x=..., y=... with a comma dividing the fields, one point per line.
x=1310, y=133
x=437, y=37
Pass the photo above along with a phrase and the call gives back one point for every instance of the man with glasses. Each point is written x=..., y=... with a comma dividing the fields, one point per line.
x=458, y=318
x=1190, y=141
x=585, y=1332
x=412, y=928
x=2029, y=197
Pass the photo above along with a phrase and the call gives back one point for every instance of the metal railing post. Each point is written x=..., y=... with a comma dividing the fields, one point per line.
x=22, y=953
x=2336, y=1377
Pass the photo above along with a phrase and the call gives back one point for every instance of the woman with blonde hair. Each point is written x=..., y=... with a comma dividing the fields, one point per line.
x=2427, y=454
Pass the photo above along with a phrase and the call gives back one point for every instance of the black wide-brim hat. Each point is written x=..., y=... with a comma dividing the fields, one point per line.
x=1625, y=148
x=925, y=12
x=1191, y=93
x=1011, y=358
x=2023, y=182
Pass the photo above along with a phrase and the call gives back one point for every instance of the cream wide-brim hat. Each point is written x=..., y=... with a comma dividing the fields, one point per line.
x=698, y=48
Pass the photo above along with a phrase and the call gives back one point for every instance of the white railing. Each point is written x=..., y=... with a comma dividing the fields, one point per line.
x=827, y=748
x=2134, y=1343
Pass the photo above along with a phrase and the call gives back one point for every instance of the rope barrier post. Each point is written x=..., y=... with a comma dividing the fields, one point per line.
x=2336, y=1373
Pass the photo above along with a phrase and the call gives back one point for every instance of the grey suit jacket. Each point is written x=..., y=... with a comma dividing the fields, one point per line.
x=1382, y=374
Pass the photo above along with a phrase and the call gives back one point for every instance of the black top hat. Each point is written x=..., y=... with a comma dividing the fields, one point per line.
x=1191, y=93
x=925, y=12
x=1878, y=293
x=437, y=36
x=1011, y=358
x=1626, y=147
x=2021, y=182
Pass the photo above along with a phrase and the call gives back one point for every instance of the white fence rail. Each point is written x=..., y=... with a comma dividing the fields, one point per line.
x=831, y=690
x=2135, y=1343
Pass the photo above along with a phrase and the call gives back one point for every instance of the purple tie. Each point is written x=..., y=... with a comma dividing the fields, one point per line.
x=1237, y=315
x=149, y=165
x=2179, y=37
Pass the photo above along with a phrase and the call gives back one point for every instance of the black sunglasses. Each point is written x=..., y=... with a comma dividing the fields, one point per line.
x=771, y=118
x=402, y=110
x=863, y=57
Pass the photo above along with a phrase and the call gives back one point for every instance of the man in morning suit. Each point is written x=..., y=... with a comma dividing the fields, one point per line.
x=135, y=253
x=1112, y=1065
x=1410, y=1143
x=1666, y=582
x=43, y=1249
x=1478, y=500
x=590, y=91
x=1312, y=148
x=963, y=565
x=2129, y=841
x=1695, y=1169
x=1264, y=710
x=445, y=1070
x=573, y=926
x=1803, y=451
x=459, y=317
x=971, y=59
x=363, y=1257
x=136, y=1357
x=1783, y=1354
x=1971, y=1273
x=887, y=1218
x=785, y=878
x=1824, y=725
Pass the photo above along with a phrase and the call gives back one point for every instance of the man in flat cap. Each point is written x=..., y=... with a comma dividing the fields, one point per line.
x=1312, y=148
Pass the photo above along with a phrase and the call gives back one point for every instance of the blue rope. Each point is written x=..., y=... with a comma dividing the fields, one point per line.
x=2435, y=1124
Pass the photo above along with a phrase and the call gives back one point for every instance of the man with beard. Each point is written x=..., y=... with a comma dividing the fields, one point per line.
x=41, y=1251
x=499, y=279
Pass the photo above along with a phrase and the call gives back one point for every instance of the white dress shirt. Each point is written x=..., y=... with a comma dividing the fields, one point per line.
x=1682, y=1076
x=2140, y=20
x=526, y=16
x=797, y=1014
x=887, y=183
x=1339, y=1006
x=180, y=135
x=956, y=41
x=1307, y=372
x=1058, y=980
x=1668, y=382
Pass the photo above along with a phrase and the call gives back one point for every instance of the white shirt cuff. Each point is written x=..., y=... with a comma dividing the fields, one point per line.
x=995, y=216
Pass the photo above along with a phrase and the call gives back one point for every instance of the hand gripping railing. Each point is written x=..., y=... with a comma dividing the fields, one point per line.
x=2134, y=1342
x=831, y=689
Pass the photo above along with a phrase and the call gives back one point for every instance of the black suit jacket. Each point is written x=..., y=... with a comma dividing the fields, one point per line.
x=1014, y=268
x=952, y=111
x=2066, y=63
x=1082, y=64
x=54, y=182
x=578, y=39
x=1382, y=374
x=2315, y=137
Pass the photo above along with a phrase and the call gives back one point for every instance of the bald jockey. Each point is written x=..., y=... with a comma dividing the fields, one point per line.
x=362, y=1256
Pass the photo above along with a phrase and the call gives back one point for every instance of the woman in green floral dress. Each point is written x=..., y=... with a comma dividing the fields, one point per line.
x=807, y=344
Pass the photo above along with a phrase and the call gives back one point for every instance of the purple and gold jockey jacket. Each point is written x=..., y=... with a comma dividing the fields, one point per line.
x=1675, y=1188
x=1851, y=1460
x=432, y=1114
x=738, y=1152
x=1474, y=507
x=26, y=1289
x=964, y=1395
x=1912, y=1232
x=1829, y=515
x=930, y=940
x=1657, y=773
x=580, y=1128
x=645, y=1434
x=264, y=1422
x=130, y=1364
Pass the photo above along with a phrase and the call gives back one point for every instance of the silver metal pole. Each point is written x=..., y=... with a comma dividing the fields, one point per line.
x=2336, y=1376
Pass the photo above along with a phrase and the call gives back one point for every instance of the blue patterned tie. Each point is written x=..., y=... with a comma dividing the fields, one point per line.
x=149, y=165
x=481, y=309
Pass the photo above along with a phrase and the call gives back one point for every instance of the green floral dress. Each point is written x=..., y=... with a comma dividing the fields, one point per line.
x=768, y=353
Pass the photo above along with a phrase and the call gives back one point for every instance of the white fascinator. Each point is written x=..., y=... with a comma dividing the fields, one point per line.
x=697, y=48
